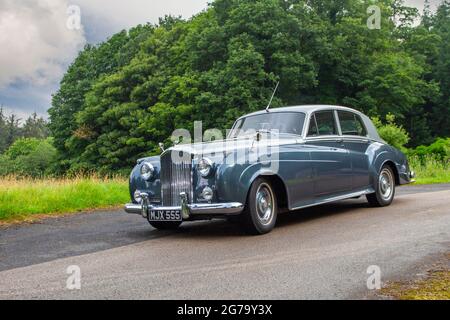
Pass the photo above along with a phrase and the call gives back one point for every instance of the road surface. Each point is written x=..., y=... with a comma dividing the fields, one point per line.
x=316, y=253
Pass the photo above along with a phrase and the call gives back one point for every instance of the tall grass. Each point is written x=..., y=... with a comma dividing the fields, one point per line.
x=20, y=198
x=429, y=169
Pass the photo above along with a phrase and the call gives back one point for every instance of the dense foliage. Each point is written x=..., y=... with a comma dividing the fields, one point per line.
x=120, y=98
x=29, y=157
x=11, y=129
x=440, y=150
x=392, y=133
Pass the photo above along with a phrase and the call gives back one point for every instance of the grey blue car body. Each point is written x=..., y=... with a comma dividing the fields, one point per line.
x=316, y=163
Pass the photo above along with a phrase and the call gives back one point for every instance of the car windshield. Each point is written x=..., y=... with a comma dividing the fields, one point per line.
x=276, y=122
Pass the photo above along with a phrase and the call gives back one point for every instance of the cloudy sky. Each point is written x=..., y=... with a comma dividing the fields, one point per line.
x=39, y=38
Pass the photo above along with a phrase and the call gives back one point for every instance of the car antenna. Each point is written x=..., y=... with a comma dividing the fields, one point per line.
x=273, y=95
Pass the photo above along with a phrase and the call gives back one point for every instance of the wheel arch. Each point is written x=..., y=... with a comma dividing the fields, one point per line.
x=278, y=187
x=392, y=165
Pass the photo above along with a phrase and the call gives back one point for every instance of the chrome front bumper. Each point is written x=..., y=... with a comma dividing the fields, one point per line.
x=188, y=210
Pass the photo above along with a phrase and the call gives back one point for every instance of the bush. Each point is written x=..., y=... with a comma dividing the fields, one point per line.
x=440, y=150
x=392, y=133
x=28, y=157
x=6, y=165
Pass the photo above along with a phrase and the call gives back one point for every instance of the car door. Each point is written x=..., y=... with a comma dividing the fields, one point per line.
x=330, y=159
x=356, y=140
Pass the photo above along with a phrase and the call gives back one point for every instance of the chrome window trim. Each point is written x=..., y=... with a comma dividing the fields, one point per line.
x=344, y=138
x=323, y=138
x=338, y=123
x=357, y=138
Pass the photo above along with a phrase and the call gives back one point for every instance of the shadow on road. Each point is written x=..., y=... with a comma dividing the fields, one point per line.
x=82, y=234
x=223, y=228
x=320, y=212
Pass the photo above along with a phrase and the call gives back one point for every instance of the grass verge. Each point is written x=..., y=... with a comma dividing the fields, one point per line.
x=24, y=199
x=434, y=286
x=430, y=170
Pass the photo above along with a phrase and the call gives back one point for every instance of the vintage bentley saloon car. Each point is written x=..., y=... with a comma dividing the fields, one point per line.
x=318, y=154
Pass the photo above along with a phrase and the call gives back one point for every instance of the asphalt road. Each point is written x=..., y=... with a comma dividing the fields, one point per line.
x=316, y=253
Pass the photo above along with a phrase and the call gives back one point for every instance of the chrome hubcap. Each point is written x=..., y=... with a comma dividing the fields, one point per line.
x=264, y=204
x=386, y=184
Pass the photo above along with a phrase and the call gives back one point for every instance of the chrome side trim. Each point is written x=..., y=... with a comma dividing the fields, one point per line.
x=344, y=138
x=334, y=199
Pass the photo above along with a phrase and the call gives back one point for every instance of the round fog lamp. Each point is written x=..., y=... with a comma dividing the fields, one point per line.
x=137, y=196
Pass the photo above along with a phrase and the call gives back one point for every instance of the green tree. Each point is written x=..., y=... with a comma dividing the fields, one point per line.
x=28, y=157
x=119, y=99
x=93, y=63
x=35, y=127
x=3, y=127
x=13, y=131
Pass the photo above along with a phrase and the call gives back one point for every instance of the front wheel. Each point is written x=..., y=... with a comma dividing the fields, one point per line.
x=385, y=190
x=160, y=225
x=261, y=211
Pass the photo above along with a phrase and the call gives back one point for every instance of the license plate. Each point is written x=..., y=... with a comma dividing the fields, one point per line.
x=165, y=215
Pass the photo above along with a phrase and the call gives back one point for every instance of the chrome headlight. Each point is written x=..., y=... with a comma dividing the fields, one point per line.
x=147, y=171
x=205, y=167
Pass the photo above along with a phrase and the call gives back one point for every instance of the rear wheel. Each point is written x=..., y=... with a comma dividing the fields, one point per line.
x=160, y=225
x=385, y=190
x=261, y=211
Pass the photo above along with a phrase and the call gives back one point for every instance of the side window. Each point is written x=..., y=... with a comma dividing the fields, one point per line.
x=326, y=124
x=351, y=124
x=362, y=131
x=312, y=132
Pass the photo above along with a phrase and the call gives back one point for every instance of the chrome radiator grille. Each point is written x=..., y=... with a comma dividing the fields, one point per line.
x=175, y=178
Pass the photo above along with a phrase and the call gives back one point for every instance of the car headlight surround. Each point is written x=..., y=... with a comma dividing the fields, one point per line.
x=147, y=171
x=205, y=167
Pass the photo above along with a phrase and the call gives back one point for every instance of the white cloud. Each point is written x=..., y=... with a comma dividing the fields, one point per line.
x=126, y=14
x=35, y=41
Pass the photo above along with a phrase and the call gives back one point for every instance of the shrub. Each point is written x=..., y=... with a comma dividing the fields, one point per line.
x=28, y=157
x=392, y=133
x=440, y=150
